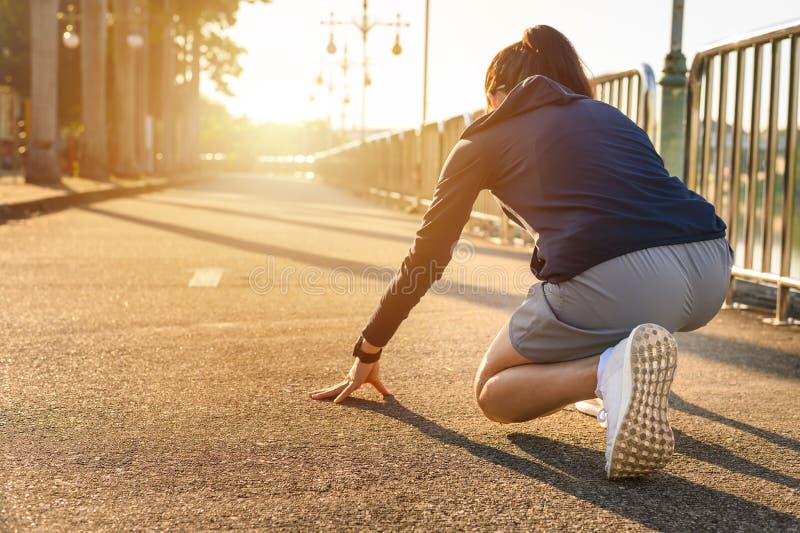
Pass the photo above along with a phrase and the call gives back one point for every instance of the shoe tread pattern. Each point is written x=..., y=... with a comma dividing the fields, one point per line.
x=645, y=442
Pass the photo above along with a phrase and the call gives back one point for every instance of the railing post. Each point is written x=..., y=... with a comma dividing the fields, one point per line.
x=781, y=306
x=673, y=98
x=505, y=229
x=416, y=175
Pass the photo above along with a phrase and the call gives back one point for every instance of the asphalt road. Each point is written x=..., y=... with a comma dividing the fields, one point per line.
x=132, y=400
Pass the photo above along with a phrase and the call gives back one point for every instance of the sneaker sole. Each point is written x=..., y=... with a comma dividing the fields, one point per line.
x=644, y=441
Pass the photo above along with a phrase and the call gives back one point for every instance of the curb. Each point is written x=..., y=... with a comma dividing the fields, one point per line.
x=43, y=206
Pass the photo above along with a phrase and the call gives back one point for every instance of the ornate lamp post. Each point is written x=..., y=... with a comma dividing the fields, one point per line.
x=673, y=98
x=364, y=26
x=319, y=81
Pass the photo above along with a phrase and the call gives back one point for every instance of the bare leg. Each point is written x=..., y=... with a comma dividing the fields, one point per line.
x=509, y=388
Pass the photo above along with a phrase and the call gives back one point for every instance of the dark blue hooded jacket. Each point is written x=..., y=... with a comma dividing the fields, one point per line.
x=574, y=171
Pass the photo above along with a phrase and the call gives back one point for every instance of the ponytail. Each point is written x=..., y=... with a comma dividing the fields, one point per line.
x=545, y=51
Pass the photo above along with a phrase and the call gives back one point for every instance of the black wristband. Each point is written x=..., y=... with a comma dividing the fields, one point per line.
x=363, y=356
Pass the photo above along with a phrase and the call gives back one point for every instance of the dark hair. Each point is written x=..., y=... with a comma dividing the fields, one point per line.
x=543, y=50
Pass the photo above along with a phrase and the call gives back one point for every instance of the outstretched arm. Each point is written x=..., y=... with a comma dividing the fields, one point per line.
x=462, y=178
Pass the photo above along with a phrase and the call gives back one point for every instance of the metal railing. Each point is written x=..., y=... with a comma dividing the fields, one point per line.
x=741, y=146
x=633, y=92
x=404, y=166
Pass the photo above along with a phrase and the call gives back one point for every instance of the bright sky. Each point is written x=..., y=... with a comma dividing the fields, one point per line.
x=286, y=47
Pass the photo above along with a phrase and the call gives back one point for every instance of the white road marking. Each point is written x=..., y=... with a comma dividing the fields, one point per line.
x=206, y=277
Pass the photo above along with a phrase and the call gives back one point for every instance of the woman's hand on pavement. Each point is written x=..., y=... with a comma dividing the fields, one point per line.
x=359, y=374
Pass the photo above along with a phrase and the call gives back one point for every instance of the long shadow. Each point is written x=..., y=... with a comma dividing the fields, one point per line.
x=272, y=218
x=721, y=456
x=260, y=185
x=678, y=403
x=255, y=189
x=765, y=360
x=495, y=252
x=778, y=363
x=383, y=215
x=454, y=289
x=661, y=501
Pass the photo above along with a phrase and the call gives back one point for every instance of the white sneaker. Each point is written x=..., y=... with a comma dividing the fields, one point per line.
x=635, y=386
x=592, y=408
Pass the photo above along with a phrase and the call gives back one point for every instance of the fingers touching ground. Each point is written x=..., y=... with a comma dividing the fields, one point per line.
x=378, y=384
x=355, y=379
x=353, y=385
x=329, y=392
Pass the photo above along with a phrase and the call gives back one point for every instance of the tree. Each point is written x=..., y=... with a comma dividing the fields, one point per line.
x=203, y=46
x=15, y=52
x=164, y=33
x=94, y=157
x=125, y=163
x=182, y=38
x=42, y=164
x=243, y=141
x=15, y=58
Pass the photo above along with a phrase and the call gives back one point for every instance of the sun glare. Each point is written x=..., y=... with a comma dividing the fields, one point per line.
x=289, y=76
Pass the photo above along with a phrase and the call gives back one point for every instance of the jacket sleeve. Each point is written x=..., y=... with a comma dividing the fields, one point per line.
x=462, y=178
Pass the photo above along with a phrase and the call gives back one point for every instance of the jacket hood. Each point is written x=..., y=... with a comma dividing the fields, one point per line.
x=529, y=94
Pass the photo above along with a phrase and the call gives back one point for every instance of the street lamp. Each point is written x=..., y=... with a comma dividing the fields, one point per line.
x=364, y=26
x=397, y=49
x=331, y=48
x=319, y=81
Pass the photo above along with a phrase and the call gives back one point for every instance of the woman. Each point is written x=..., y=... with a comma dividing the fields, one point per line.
x=626, y=254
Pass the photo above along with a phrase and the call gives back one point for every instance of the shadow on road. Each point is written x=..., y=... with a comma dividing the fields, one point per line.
x=282, y=220
x=719, y=455
x=735, y=352
x=678, y=403
x=455, y=289
x=383, y=215
x=495, y=252
x=661, y=501
x=748, y=355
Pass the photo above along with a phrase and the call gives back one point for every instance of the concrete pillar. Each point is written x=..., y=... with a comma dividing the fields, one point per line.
x=143, y=131
x=191, y=118
x=42, y=162
x=94, y=157
x=124, y=92
x=672, y=124
x=167, y=145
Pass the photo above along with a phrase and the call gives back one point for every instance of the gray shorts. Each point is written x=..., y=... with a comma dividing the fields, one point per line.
x=680, y=287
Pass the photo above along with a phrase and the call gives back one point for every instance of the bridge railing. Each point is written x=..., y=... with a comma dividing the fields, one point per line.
x=404, y=166
x=633, y=92
x=741, y=146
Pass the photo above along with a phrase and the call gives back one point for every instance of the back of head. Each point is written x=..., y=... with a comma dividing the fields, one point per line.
x=545, y=51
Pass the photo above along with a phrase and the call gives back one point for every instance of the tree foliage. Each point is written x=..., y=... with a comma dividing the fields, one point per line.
x=15, y=60
x=242, y=140
x=210, y=20
x=15, y=68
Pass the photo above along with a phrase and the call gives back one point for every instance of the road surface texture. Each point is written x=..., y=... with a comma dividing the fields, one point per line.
x=157, y=352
